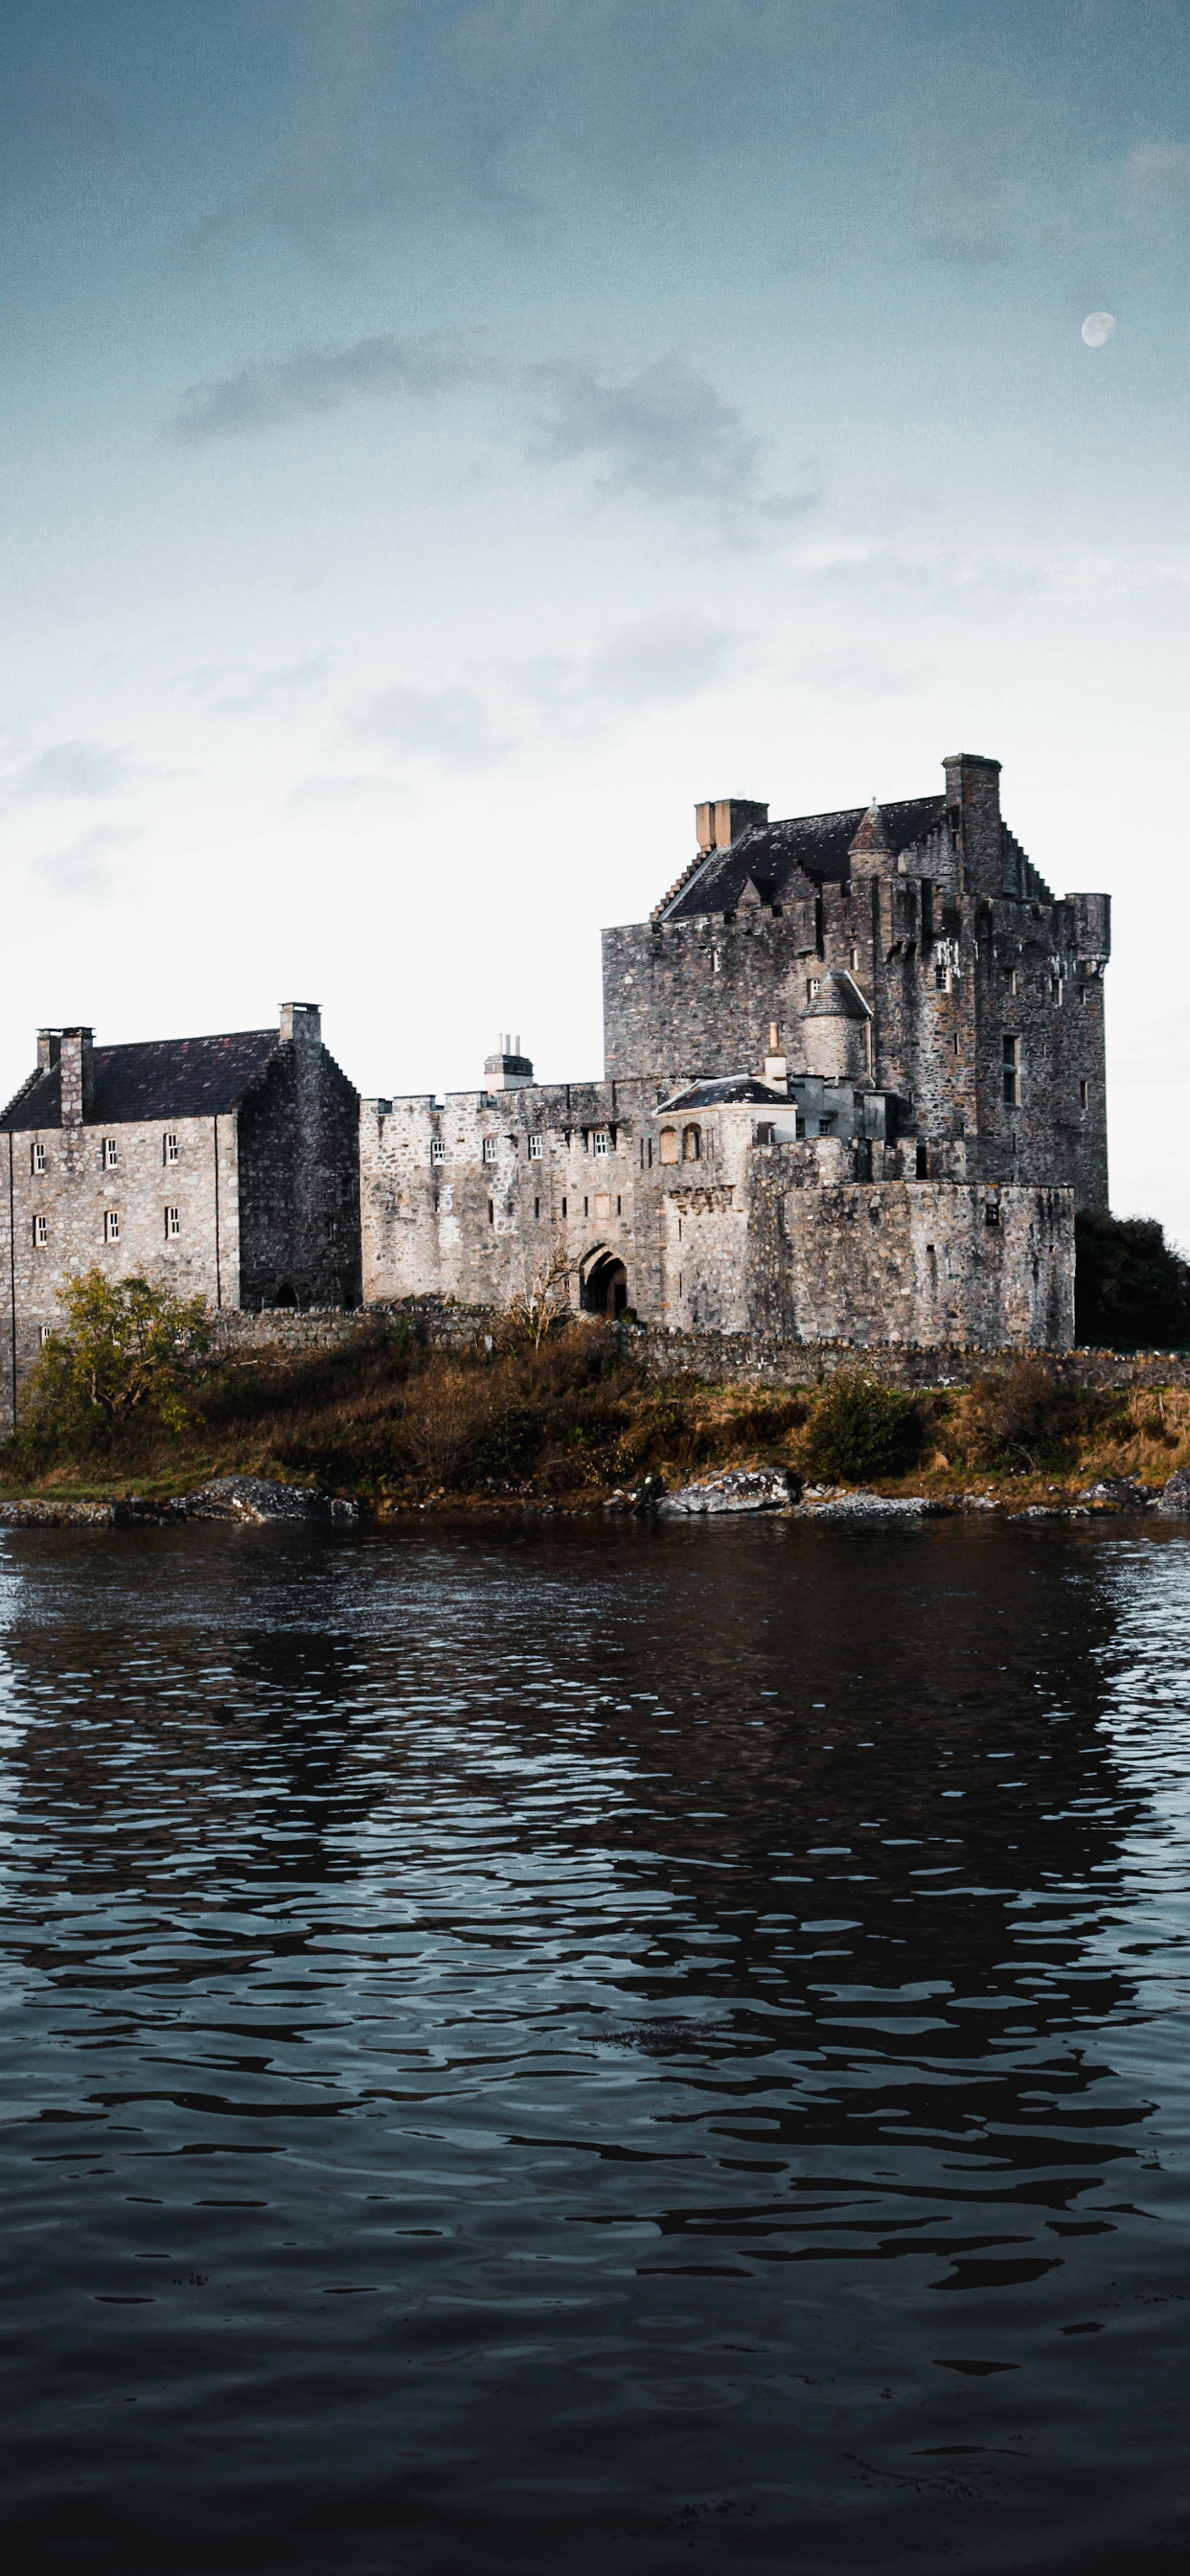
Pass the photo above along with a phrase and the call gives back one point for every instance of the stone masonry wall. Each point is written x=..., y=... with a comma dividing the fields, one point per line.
x=299, y=1179
x=921, y=1262
x=470, y=1197
x=80, y=1187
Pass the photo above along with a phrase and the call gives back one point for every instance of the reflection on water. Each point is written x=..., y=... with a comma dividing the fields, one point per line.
x=527, y=2048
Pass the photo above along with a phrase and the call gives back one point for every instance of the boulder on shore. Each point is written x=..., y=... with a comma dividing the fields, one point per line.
x=259, y=1498
x=740, y=1489
x=1174, y=1504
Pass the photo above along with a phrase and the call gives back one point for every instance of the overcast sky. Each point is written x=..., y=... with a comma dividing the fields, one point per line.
x=447, y=438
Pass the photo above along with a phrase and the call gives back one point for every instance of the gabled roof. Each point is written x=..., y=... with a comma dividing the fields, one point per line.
x=163, y=1078
x=815, y=845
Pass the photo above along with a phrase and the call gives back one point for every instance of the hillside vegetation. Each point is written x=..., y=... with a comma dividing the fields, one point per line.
x=127, y=1400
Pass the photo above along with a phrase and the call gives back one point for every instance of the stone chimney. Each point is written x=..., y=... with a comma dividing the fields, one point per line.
x=49, y=1048
x=973, y=811
x=721, y=819
x=301, y=1020
x=507, y=1069
x=76, y=1059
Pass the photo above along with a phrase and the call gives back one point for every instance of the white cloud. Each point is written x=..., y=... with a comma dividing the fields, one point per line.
x=72, y=769
x=83, y=870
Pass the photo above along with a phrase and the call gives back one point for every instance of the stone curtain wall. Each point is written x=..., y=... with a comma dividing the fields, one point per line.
x=469, y=1227
x=299, y=1180
x=925, y=1262
x=732, y=1359
x=79, y=1187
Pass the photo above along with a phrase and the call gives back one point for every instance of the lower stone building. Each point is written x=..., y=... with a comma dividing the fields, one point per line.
x=221, y=1167
x=722, y=1207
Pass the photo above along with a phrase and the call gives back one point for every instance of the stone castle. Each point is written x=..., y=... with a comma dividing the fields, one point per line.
x=853, y=1092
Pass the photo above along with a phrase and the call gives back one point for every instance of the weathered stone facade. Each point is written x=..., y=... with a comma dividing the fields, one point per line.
x=854, y=1093
x=223, y=1167
x=985, y=992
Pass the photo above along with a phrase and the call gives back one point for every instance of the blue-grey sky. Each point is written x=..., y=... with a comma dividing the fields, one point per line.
x=444, y=439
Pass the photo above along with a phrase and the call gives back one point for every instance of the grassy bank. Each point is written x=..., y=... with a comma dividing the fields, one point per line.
x=400, y=1426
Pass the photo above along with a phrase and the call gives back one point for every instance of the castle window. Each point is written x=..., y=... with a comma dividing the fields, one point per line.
x=491, y=1212
x=1012, y=1081
x=563, y=1207
x=854, y=959
x=331, y=1229
x=799, y=1124
x=599, y=1141
x=1084, y=1095
x=956, y=1041
x=619, y=1208
x=41, y=1232
x=670, y=1152
x=942, y=979
x=437, y=1150
x=991, y=1214
x=535, y=1149
x=43, y=1333
x=536, y=1210
x=586, y=1207
x=716, y=960
x=37, y=1158
x=173, y=1223
x=169, y=1148
x=691, y=1144
x=111, y=1225
x=345, y=1187
x=111, y=1153
x=489, y=1149
x=923, y=1162
x=1010, y=979
x=813, y=986
x=765, y=1133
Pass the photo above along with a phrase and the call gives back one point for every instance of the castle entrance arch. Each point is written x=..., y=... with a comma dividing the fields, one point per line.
x=605, y=1286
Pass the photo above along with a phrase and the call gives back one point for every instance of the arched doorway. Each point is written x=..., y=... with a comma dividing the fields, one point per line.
x=605, y=1286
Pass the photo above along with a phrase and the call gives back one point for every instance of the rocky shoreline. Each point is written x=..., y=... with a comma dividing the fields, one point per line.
x=778, y=1492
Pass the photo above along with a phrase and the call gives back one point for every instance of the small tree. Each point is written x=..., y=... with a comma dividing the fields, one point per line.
x=542, y=1296
x=124, y=1347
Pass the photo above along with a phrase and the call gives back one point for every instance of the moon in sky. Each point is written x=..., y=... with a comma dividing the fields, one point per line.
x=1097, y=328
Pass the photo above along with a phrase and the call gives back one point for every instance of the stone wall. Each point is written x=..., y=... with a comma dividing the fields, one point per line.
x=469, y=1198
x=299, y=1179
x=65, y=1177
x=723, y=1359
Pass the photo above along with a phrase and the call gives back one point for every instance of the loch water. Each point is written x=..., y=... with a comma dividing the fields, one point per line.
x=548, y=2047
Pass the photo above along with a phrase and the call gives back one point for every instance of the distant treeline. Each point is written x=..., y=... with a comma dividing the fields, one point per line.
x=1131, y=1287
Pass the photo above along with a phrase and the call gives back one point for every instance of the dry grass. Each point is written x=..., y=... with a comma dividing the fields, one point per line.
x=568, y=1421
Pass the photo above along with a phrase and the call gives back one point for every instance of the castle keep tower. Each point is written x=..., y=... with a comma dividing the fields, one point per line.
x=982, y=990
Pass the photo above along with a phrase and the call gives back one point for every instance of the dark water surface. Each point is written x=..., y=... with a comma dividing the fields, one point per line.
x=550, y=2050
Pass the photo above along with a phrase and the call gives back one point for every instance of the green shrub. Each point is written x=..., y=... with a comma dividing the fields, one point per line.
x=859, y=1428
x=125, y=1351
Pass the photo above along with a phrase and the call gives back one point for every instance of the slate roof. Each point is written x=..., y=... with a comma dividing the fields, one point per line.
x=163, y=1078
x=733, y=1087
x=838, y=998
x=813, y=844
